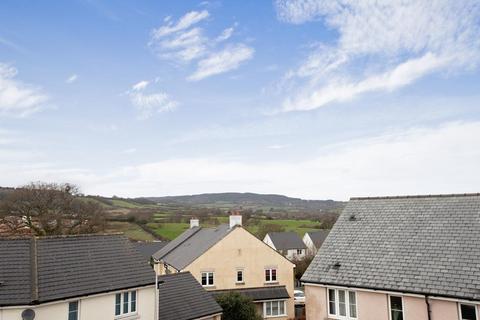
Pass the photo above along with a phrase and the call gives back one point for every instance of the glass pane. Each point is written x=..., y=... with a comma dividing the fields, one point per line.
x=210, y=278
x=275, y=308
x=331, y=299
x=125, y=302
x=239, y=276
x=204, y=279
x=117, y=304
x=73, y=306
x=397, y=315
x=352, y=300
x=396, y=303
x=274, y=274
x=468, y=312
x=133, y=303
x=342, y=310
x=282, y=307
x=268, y=308
x=267, y=275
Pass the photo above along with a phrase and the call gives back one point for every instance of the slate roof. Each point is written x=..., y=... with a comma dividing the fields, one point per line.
x=181, y=297
x=148, y=248
x=38, y=270
x=258, y=294
x=416, y=244
x=318, y=237
x=190, y=245
x=286, y=240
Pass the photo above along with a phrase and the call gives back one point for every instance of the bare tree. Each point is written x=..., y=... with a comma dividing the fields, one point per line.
x=50, y=209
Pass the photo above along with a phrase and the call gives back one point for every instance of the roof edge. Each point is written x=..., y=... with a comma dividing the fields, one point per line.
x=451, y=195
x=391, y=290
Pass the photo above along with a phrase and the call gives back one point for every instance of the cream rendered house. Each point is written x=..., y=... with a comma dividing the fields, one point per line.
x=230, y=258
x=399, y=258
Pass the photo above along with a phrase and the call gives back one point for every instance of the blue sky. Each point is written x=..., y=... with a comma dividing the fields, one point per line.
x=315, y=99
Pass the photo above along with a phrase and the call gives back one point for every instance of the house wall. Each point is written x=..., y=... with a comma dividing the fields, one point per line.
x=312, y=250
x=241, y=250
x=269, y=242
x=100, y=307
x=374, y=306
x=292, y=254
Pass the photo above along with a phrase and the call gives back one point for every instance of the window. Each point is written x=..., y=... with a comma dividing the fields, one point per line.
x=270, y=275
x=299, y=251
x=342, y=304
x=396, y=308
x=207, y=279
x=468, y=312
x=274, y=308
x=125, y=303
x=240, y=276
x=73, y=310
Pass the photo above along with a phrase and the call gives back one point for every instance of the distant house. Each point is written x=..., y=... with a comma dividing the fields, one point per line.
x=288, y=244
x=148, y=248
x=314, y=240
x=74, y=277
x=412, y=257
x=229, y=258
x=181, y=297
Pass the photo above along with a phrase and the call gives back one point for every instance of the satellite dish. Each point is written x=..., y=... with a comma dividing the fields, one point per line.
x=28, y=314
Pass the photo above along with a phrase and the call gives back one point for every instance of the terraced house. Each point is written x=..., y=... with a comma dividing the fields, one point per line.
x=399, y=258
x=230, y=258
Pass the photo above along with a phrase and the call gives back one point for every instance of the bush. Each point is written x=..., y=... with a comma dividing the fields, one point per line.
x=237, y=307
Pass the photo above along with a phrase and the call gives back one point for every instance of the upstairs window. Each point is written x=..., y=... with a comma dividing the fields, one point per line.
x=207, y=279
x=73, y=310
x=468, y=312
x=125, y=303
x=396, y=308
x=299, y=251
x=240, y=276
x=342, y=304
x=271, y=275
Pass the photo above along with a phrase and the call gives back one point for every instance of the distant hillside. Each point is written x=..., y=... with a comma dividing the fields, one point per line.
x=249, y=200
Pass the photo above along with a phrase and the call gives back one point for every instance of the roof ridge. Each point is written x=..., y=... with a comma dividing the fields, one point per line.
x=178, y=244
x=451, y=195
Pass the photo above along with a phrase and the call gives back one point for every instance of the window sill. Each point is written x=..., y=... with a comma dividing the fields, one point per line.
x=240, y=283
x=269, y=283
x=209, y=287
x=279, y=316
x=132, y=316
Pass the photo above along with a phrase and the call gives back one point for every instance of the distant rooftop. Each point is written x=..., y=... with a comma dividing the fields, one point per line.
x=286, y=240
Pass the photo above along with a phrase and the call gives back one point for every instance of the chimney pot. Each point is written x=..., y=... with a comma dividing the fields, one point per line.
x=235, y=220
x=194, y=223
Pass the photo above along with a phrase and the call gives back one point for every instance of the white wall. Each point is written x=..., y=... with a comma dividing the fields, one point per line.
x=312, y=250
x=269, y=241
x=100, y=307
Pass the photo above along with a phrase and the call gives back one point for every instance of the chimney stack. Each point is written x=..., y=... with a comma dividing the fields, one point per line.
x=194, y=223
x=235, y=220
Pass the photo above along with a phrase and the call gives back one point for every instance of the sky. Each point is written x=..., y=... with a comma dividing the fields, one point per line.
x=314, y=99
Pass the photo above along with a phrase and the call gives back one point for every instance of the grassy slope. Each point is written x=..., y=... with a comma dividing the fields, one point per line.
x=131, y=230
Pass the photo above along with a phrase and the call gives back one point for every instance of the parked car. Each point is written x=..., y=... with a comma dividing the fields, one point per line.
x=299, y=296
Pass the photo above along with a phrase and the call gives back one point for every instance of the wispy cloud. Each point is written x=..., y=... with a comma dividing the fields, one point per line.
x=229, y=58
x=72, y=78
x=17, y=98
x=149, y=103
x=185, y=42
x=380, y=47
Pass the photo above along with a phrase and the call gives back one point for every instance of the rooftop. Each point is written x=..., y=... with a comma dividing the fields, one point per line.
x=286, y=240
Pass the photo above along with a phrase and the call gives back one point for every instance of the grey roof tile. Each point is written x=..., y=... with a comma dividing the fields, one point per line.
x=181, y=297
x=148, y=248
x=422, y=244
x=286, y=240
x=318, y=237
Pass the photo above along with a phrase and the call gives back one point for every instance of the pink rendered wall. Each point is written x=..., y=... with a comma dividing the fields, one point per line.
x=316, y=303
x=444, y=310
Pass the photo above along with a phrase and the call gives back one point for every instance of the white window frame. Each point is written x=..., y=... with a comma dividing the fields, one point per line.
x=337, y=304
x=236, y=276
x=208, y=278
x=284, y=314
x=467, y=304
x=270, y=269
x=122, y=301
x=390, y=306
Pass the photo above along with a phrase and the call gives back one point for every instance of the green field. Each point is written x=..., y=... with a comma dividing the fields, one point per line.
x=131, y=230
x=168, y=230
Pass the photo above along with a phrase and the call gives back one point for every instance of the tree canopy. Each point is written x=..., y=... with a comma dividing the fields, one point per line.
x=237, y=307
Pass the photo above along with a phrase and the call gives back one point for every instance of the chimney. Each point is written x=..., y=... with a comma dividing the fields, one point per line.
x=235, y=220
x=194, y=223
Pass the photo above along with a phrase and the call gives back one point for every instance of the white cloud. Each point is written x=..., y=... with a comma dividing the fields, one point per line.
x=129, y=150
x=72, y=78
x=185, y=22
x=228, y=59
x=186, y=42
x=149, y=103
x=379, y=41
x=443, y=159
x=17, y=98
